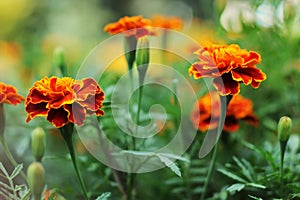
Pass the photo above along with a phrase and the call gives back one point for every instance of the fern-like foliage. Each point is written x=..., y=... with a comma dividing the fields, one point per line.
x=8, y=189
x=260, y=178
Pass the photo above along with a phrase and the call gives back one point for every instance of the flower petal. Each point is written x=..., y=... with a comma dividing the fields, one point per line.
x=226, y=85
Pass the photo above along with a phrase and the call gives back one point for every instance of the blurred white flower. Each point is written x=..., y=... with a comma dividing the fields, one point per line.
x=235, y=14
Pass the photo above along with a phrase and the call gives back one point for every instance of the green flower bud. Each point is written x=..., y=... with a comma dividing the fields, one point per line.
x=130, y=48
x=142, y=52
x=38, y=143
x=284, y=128
x=59, y=60
x=142, y=58
x=36, y=179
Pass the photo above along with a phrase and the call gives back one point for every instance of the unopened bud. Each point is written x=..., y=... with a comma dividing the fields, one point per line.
x=59, y=59
x=142, y=51
x=284, y=128
x=36, y=179
x=38, y=143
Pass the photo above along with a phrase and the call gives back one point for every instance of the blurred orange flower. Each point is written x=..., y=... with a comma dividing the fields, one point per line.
x=239, y=108
x=131, y=26
x=160, y=21
x=229, y=66
x=64, y=100
x=9, y=95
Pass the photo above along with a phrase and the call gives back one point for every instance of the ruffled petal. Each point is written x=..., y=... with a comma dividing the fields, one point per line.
x=226, y=85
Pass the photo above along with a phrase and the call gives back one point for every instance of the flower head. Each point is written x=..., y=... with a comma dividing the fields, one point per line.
x=239, y=108
x=160, y=21
x=64, y=100
x=229, y=66
x=131, y=26
x=9, y=95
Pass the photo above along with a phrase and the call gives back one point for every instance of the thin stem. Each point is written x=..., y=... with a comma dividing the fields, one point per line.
x=4, y=143
x=67, y=135
x=282, y=149
x=210, y=170
x=214, y=156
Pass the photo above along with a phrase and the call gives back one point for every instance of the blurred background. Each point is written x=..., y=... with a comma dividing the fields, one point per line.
x=31, y=30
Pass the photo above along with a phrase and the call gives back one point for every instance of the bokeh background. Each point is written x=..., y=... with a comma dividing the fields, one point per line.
x=31, y=31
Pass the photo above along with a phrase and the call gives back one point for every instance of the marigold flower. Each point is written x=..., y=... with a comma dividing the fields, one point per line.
x=160, y=21
x=9, y=95
x=229, y=66
x=64, y=100
x=131, y=26
x=239, y=108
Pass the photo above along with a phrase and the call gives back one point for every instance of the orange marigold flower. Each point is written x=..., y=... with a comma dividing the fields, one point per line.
x=9, y=95
x=239, y=108
x=160, y=21
x=131, y=26
x=229, y=66
x=64, y=100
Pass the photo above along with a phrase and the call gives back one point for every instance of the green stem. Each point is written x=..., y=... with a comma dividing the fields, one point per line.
x=4, y=143
x=282, y=150
x=67, y=133
x=214, y=156
x=210, y=170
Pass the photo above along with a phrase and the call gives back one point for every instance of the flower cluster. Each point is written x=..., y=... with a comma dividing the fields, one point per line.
x=64, y=100
x=9, y=95
x=229, y=66
x=239, y=108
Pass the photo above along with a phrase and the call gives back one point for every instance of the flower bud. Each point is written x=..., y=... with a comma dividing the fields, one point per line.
x=130, y=48
x=36, y=179
x=284, y=128
x=142, y=52
x=59, y=59
x=142, y=58
x=38, y=143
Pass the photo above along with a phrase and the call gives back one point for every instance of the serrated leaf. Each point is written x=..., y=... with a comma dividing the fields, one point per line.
x=4, y=170
x=236, y=187
x=256, y=185
x=232, y=176
x=104, y=196
x=16, y=171
x=245, y=171
x=26, y=195
x=170, y=164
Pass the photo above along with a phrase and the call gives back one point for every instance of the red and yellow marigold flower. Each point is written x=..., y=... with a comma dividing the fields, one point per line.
x=229, y=65
x=131, y=26
x=9, y=95
x=160, y=21
x=207, y=114
x=64, y=100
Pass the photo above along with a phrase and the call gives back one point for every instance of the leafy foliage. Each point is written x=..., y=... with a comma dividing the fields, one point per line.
x=260, y=179
x=8, y=189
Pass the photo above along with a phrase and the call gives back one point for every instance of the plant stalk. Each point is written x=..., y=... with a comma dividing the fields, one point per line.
x=67, y=133
x=215, y=152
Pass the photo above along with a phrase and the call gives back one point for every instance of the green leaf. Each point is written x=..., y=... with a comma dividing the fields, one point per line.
x=236, y=187
x=256, y=185
x=256, y=198
x=170, y=164
x=295, y=195
x=26, y=195
x=4, y=170
x=245, y=171
x=104, y=196
x=232, y=176
x=16, y=171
